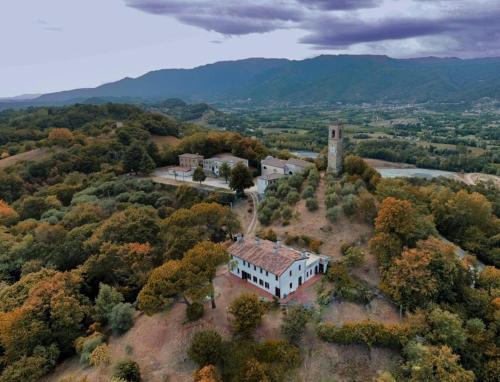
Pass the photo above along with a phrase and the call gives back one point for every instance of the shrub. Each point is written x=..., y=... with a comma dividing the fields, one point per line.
x=294, y=323
x=121, y=317
x=26, y=369
x=348, y=189
x=127, y=370
x=86, y=345
x=312, y=204
x=333, y=213
x=268, y=234
x=293, y=197
x=331, y=200
x=265, y=215
x=247, y=311
x=206, y=348
x=308, y=192
x=349, y=205
x=365, y=333
x=194, y=311
x=105, y=301
x=354, y=257
x=100, y=356
x=286, y=213
x=276, y=215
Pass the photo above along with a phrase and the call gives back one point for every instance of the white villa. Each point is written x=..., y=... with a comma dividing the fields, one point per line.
x=273, y=169
x=277, y=269
x=212, y=165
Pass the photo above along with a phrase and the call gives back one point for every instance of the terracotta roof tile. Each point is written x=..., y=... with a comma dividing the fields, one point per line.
x=264, y=255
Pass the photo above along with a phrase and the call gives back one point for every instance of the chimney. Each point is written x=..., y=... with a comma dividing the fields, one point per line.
x=277, y=246
x=257, y=241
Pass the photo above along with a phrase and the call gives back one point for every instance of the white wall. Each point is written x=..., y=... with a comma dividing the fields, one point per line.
x=249, y=268
x=299, y=269
x=286, y=279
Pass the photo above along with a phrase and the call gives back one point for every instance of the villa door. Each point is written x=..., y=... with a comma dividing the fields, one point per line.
x=244, y=275
x=300, y=280
x=321, y=268
x=277, y=292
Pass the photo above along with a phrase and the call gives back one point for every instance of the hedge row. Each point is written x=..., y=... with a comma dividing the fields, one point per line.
x=367, y=333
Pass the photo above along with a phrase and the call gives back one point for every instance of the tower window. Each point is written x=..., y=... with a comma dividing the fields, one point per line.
x=333, y=133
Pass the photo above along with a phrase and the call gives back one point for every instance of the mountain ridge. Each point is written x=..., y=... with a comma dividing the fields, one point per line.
x=325, y=78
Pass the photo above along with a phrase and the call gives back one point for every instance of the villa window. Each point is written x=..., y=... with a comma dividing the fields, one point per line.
x=290, y=285
x=267, y=285
x=254, y=268
x=300, y=267
x=290, y=272
x=276, y=276
x=261, y=282
x=254, y=279
x=267, y=273
x=260, y=270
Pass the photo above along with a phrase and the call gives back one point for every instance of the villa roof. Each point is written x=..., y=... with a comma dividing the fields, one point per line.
x=274, y=162
x=228, y=157
x=189, y=155
x=299, y=162
x=265, y=255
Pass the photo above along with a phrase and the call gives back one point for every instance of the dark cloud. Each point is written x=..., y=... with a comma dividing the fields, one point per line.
x=339, y=24
x=337, y=33
x=226, y=17
x=475, y=32
x=340, y=4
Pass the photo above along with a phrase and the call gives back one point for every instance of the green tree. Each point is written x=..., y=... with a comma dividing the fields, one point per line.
x=199, y=174
x=247, y=312
x=127, y=370
x=446, y=329
x=241, y=178
x=206, y=348
x=121, y=317
x=225, y=171
x=294, y=323
x=105, y=301
x=137, y=160
x=435, y=364
x=254, y=372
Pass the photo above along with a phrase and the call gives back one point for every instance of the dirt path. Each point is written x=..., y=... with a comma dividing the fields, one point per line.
x=34, y=155
x=253, y=223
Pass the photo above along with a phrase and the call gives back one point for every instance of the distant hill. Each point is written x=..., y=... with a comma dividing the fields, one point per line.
x=343, y=78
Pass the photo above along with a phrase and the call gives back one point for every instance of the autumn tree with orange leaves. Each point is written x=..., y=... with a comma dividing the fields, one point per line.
x=410, y=281
x=190, y=278
x=60, y=136
x=207, y=373
x=8, y=215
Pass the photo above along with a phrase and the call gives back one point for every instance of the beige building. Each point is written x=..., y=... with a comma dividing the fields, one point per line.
x=213, y=164
x=188, y=160
x=272, y=165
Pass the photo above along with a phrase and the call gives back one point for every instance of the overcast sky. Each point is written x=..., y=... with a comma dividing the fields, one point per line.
x=51, y=45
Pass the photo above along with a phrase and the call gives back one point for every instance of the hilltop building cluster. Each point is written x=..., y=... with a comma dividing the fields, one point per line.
x=189, y=162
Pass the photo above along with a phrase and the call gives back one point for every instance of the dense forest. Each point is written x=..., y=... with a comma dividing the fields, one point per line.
x=87, y=241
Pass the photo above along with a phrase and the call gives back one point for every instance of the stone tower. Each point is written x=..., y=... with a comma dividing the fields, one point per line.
x=335, y=139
